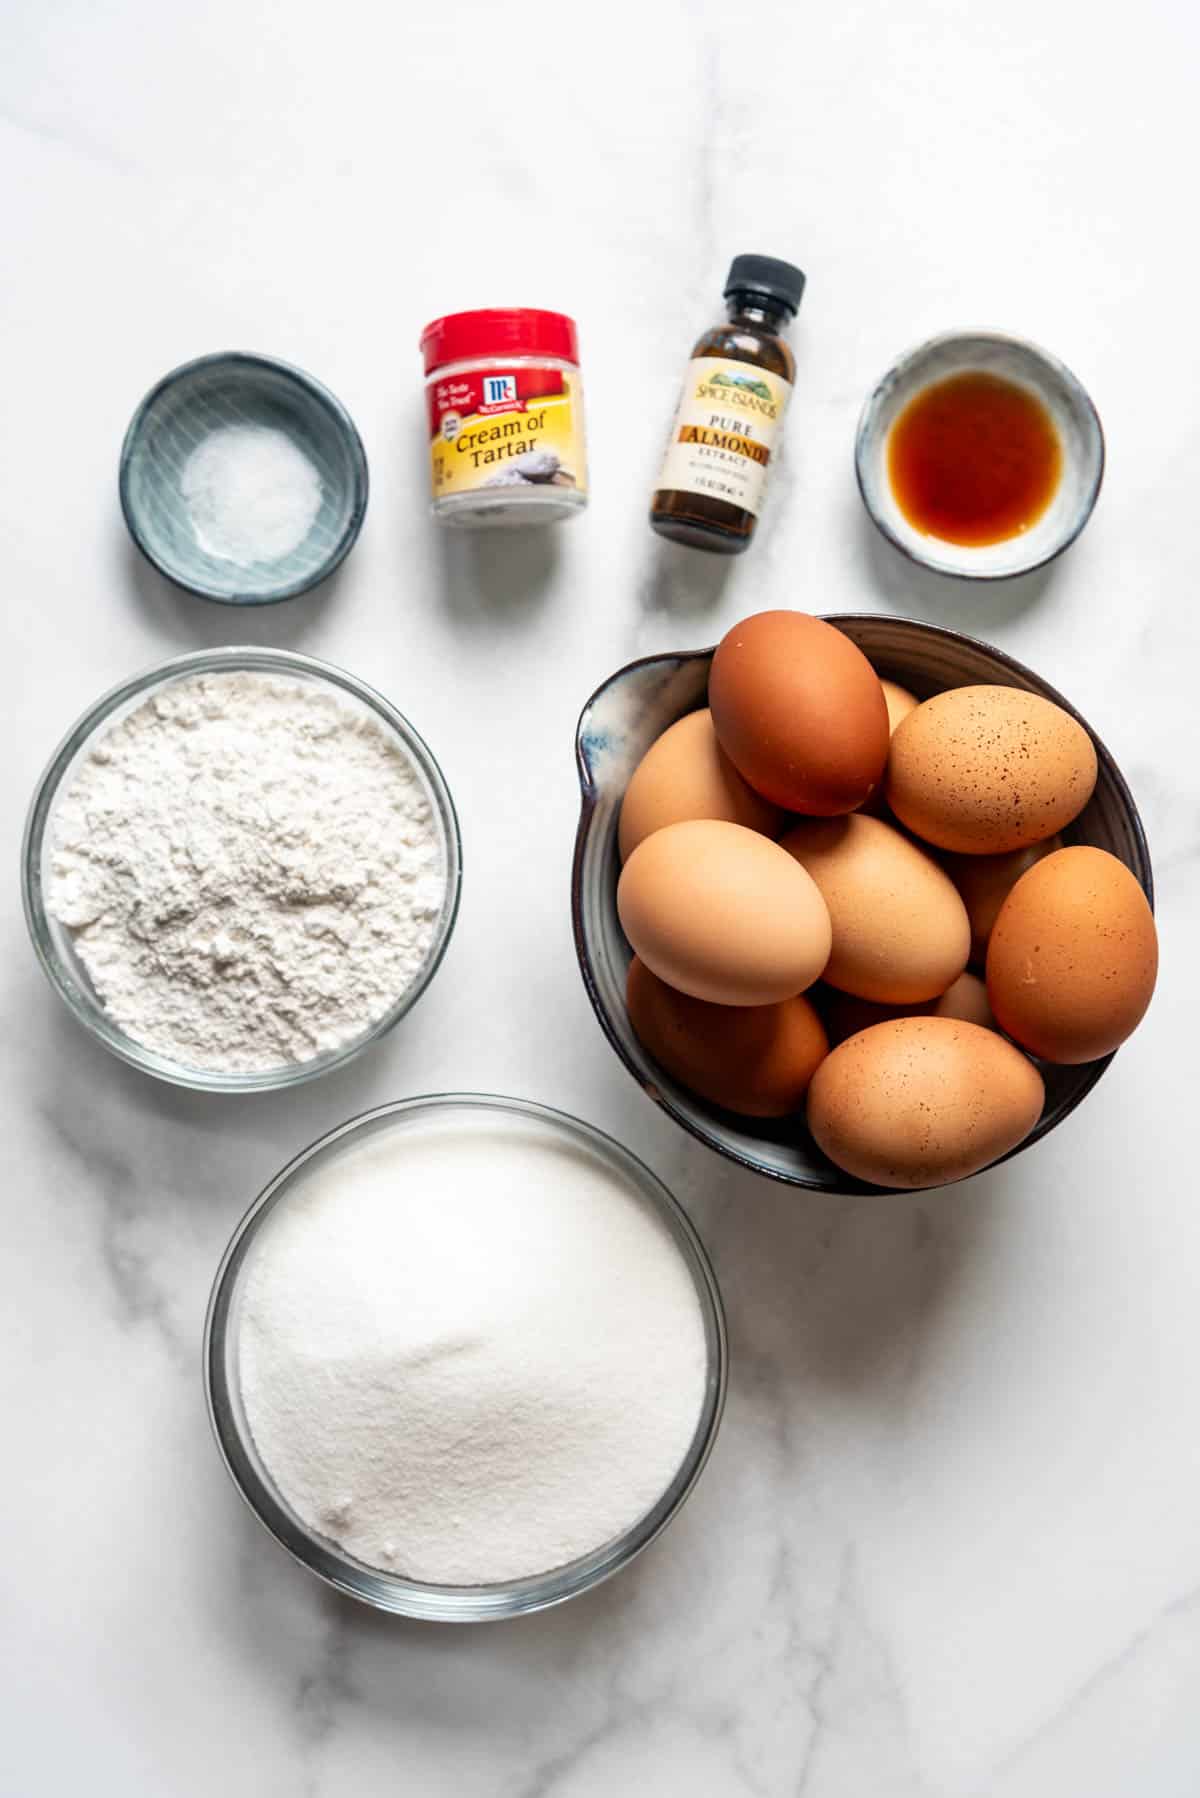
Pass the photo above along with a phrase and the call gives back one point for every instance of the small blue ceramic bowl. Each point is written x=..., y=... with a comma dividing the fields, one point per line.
x=235, y=391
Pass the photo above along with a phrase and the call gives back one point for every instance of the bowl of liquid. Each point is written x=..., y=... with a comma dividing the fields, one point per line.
x=979, y=455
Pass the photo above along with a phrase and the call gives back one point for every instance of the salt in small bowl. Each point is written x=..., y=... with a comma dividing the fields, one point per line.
x=1075, y=419
x=237, y=389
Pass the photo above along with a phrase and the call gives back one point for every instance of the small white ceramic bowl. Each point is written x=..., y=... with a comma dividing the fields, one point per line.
x=1075, y=419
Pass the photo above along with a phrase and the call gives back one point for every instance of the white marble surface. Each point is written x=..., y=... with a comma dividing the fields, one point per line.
x=949, y=1542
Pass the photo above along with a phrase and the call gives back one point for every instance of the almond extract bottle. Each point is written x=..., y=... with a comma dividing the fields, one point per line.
x=726, y=430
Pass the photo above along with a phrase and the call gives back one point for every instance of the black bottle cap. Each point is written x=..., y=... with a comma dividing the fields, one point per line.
x=779, y=281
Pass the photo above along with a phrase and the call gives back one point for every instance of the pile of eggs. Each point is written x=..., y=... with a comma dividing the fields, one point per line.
x=812, y=863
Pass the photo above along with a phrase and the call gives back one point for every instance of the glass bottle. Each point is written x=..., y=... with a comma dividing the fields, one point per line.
x=726, y=430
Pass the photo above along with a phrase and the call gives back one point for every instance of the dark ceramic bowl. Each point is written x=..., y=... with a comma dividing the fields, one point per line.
x=618, y=724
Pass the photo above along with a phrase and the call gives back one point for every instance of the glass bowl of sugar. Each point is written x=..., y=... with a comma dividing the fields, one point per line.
x=241, y=868
x=243, y=479
x=465, y=1357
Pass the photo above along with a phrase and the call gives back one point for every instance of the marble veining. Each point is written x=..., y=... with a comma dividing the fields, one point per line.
x=948, y=1544
x=108, y=1175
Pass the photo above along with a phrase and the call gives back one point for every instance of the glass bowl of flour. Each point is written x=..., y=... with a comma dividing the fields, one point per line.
x=465, y=1357
x=241, y=868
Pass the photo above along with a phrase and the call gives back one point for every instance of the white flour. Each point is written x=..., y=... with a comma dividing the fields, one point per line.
x=469, y=1356
x=250, y=868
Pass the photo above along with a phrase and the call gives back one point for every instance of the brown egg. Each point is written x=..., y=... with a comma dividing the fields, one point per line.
x=845, y=1015
x=985, y=881
x=724, y=914
x=983, y=770
x=800, y=712
x=1073, y=956
x=753, y=1059
x=899, y=702
x=922, y=1101
x=967, y=1000
x=686, y=774
x=900, y=931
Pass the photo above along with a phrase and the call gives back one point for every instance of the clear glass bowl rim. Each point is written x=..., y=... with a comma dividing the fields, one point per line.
x=230, y=659
x=414, y=1598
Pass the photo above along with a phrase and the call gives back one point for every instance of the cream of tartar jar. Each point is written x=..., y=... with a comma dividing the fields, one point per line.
x=505, y=409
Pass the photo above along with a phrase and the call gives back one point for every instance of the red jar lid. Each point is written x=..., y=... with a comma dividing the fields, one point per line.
x=500, y=331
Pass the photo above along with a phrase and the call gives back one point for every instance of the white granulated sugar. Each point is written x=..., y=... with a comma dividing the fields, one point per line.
x=252, y=494
x=469, y=1355
x=250, y=868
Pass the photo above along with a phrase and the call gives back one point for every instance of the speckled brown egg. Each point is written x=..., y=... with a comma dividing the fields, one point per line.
x=686, y=774
x=800, y=712
x=1073, y=956
x=900, y=931
x=984, y=770
x=922, y=1101
x=753, y=1059
x=985, y=881
x=724, y=914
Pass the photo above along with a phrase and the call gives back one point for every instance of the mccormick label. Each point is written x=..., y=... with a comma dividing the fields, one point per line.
x=725, y=431
x=506, y=427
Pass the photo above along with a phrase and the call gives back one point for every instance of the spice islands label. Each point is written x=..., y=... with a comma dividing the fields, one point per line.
x=725, y=431
x=506, y=427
